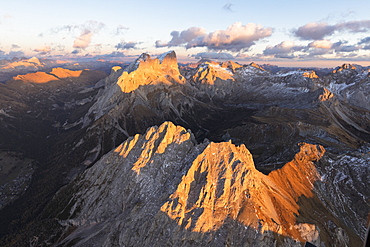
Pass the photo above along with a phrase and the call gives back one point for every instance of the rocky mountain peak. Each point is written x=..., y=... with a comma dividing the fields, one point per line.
x=35, y=61
x=157, y=140
x=232, y=66
x=213, y=188
x=222, y=184
x=310, y=74
x=345, y=67
x=210, y=72
x=145, y=70
x=253, y=64
x=325, y=95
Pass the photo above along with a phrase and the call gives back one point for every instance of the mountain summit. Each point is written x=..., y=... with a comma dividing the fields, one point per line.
x=146, y=70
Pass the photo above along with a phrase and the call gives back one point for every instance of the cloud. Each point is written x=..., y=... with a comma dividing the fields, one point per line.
x=91, y=25
x=314, y=31
x=324, y=44
x=15, y=47
x=318, y=31
x=213, y=55
x=121, y=29
x=354, y=26
x=127, y=45
x=83, y=41
x=43, y=50
x=228, y=7
x=364, y=41
x=318, y=52
x=183, y=37
x=283, y=47
x=235, y=38
x=347, y=48
x=86, y=31
x=115, y=54
x=283, y=50
x=11, y=54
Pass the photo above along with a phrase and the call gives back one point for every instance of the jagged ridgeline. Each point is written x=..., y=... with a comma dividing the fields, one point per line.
x=212, y=153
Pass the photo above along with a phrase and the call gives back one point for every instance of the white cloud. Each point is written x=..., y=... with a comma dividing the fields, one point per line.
x=43, y=50
x=235, y=38
x=84, y=40
x=324, y=44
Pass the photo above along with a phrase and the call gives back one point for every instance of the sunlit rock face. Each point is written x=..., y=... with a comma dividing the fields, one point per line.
x=163, y=188
x=224, y=183
x=42, y=77
x=163, y=69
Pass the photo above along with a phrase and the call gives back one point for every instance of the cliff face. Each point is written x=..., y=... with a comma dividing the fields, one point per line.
x=223, y=183
x=138, y=191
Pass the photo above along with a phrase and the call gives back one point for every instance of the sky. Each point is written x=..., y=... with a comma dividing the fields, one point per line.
x=317, y=33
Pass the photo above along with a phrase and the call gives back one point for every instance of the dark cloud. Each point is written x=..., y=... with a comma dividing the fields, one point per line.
x=127, y=45
x=364, y=41
x=11, y=54
x=318, y=52
x=16, y=54
x=318, y=31
x=235, y=38
x=347, y=48
x=213, y=55
x=285, y=56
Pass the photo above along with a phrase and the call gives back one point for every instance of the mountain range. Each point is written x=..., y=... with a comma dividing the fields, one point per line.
x=157, y=153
